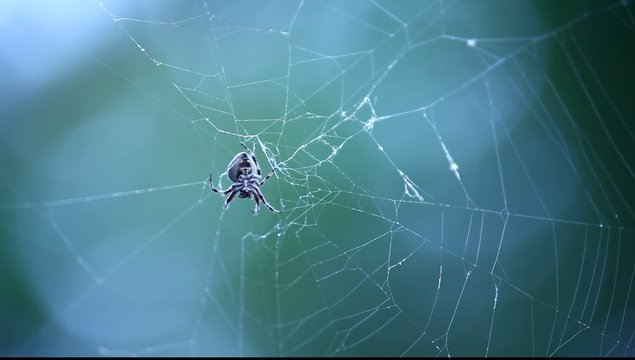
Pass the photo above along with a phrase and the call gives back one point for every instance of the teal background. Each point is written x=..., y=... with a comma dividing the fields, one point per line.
x=113, y=115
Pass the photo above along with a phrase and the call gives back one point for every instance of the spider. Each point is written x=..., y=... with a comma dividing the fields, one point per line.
x=244, y=171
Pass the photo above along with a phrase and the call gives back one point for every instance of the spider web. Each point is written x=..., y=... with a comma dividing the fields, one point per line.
x=455, y=178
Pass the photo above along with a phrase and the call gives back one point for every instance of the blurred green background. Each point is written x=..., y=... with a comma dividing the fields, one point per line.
x=455, y=178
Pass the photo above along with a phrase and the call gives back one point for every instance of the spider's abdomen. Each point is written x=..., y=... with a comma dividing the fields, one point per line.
x=240, y=164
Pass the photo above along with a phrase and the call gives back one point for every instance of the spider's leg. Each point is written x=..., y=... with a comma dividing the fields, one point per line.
x=255, y=210
x=224, y=192
x=262, y=197
x=231, y=188
x=230, y=198
x=267, y=177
